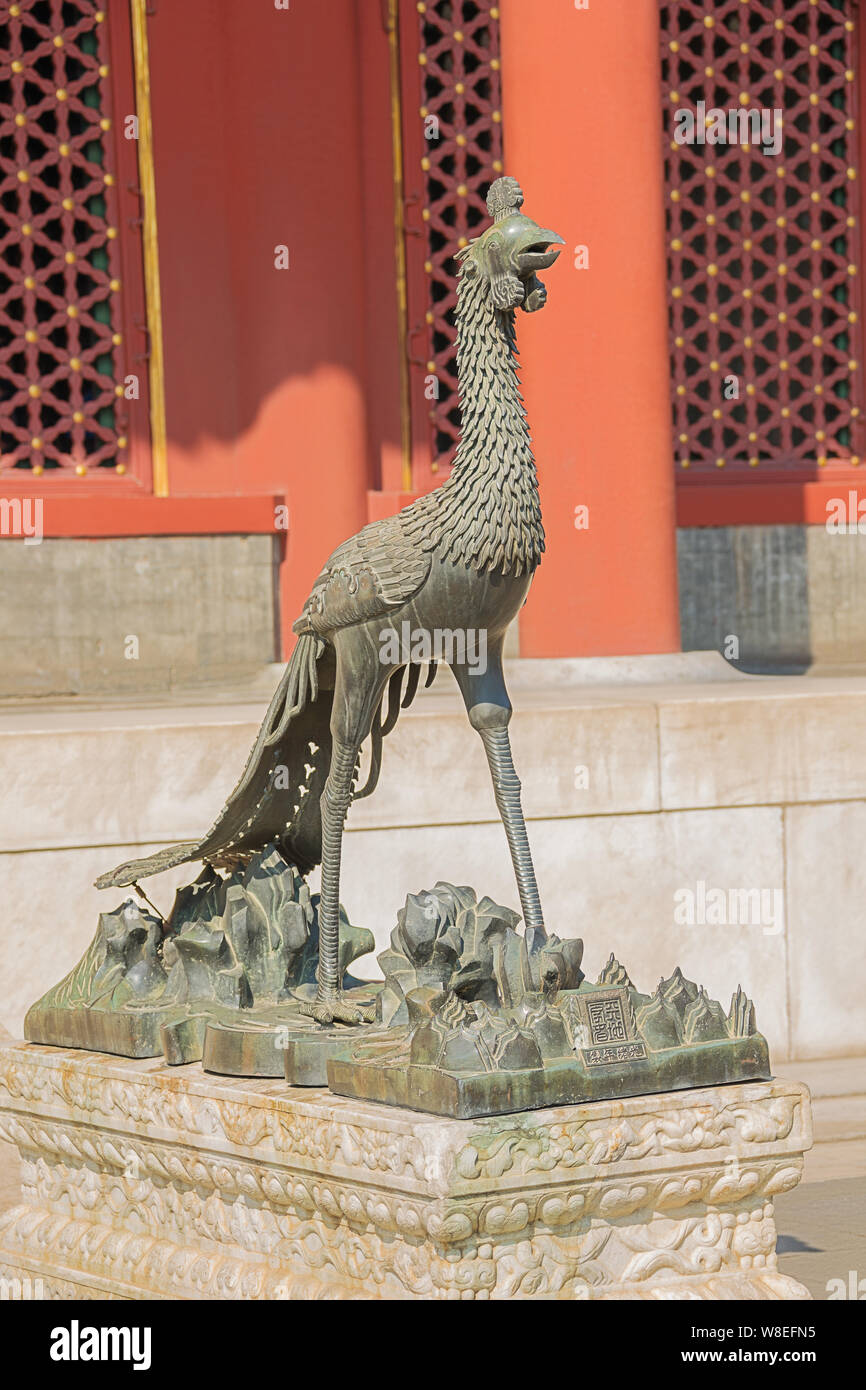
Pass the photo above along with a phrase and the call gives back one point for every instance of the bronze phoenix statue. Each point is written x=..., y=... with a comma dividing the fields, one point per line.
x=460, y=558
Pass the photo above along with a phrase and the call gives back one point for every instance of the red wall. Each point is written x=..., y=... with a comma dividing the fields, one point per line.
x=258, y=141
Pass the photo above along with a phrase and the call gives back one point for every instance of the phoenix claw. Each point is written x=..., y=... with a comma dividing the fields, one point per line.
x=339, y=1010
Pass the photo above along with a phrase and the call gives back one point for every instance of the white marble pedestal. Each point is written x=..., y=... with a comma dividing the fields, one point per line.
x=145, y=1181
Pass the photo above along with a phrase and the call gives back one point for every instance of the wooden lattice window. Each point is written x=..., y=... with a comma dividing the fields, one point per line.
x=71, y=298
x=764, y=262
x=453, y=151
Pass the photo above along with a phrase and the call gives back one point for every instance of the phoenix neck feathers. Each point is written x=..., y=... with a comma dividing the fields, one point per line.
x=487, y=515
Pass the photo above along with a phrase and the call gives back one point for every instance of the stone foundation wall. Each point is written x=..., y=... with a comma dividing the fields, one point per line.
x=792, y=595
x=642, y=801
x=143, y=614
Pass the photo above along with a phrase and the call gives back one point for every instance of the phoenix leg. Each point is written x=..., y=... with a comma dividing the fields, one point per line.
x=350, y=726
x=489, y=710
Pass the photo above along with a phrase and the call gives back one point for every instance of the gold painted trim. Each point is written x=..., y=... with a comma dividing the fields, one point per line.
x=150, y=249
x=400, y=241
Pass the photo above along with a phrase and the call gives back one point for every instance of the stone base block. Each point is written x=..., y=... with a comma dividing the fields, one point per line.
x=148, y=1181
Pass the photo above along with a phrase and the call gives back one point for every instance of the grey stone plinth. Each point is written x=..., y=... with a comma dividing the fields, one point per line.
x=144, y=1181
x=201, y=607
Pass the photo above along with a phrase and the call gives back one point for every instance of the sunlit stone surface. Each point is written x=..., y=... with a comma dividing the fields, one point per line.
x=143, y=1181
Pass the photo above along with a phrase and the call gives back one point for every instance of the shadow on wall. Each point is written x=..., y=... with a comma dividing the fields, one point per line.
x=274, y=185
x=747, y=592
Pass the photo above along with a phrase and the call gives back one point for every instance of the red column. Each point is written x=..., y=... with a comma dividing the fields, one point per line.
x=582, y=114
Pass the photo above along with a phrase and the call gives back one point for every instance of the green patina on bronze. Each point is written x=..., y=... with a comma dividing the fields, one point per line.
x=223, y=977
x=485, y=1021
x=475, y=1017
x=458, y=560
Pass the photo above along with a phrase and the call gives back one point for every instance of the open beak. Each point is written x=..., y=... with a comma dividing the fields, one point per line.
x=542, y=253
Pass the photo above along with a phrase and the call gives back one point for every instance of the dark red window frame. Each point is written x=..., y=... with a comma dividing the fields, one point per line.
x=790, y=488
x=129, y=317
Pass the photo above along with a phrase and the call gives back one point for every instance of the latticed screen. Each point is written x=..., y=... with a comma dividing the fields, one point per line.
x=763, y=245
x=456, y=45
x=61, y=346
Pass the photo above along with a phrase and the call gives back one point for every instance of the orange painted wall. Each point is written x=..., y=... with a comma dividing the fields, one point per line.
x=583, y=135
x=259, y=142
